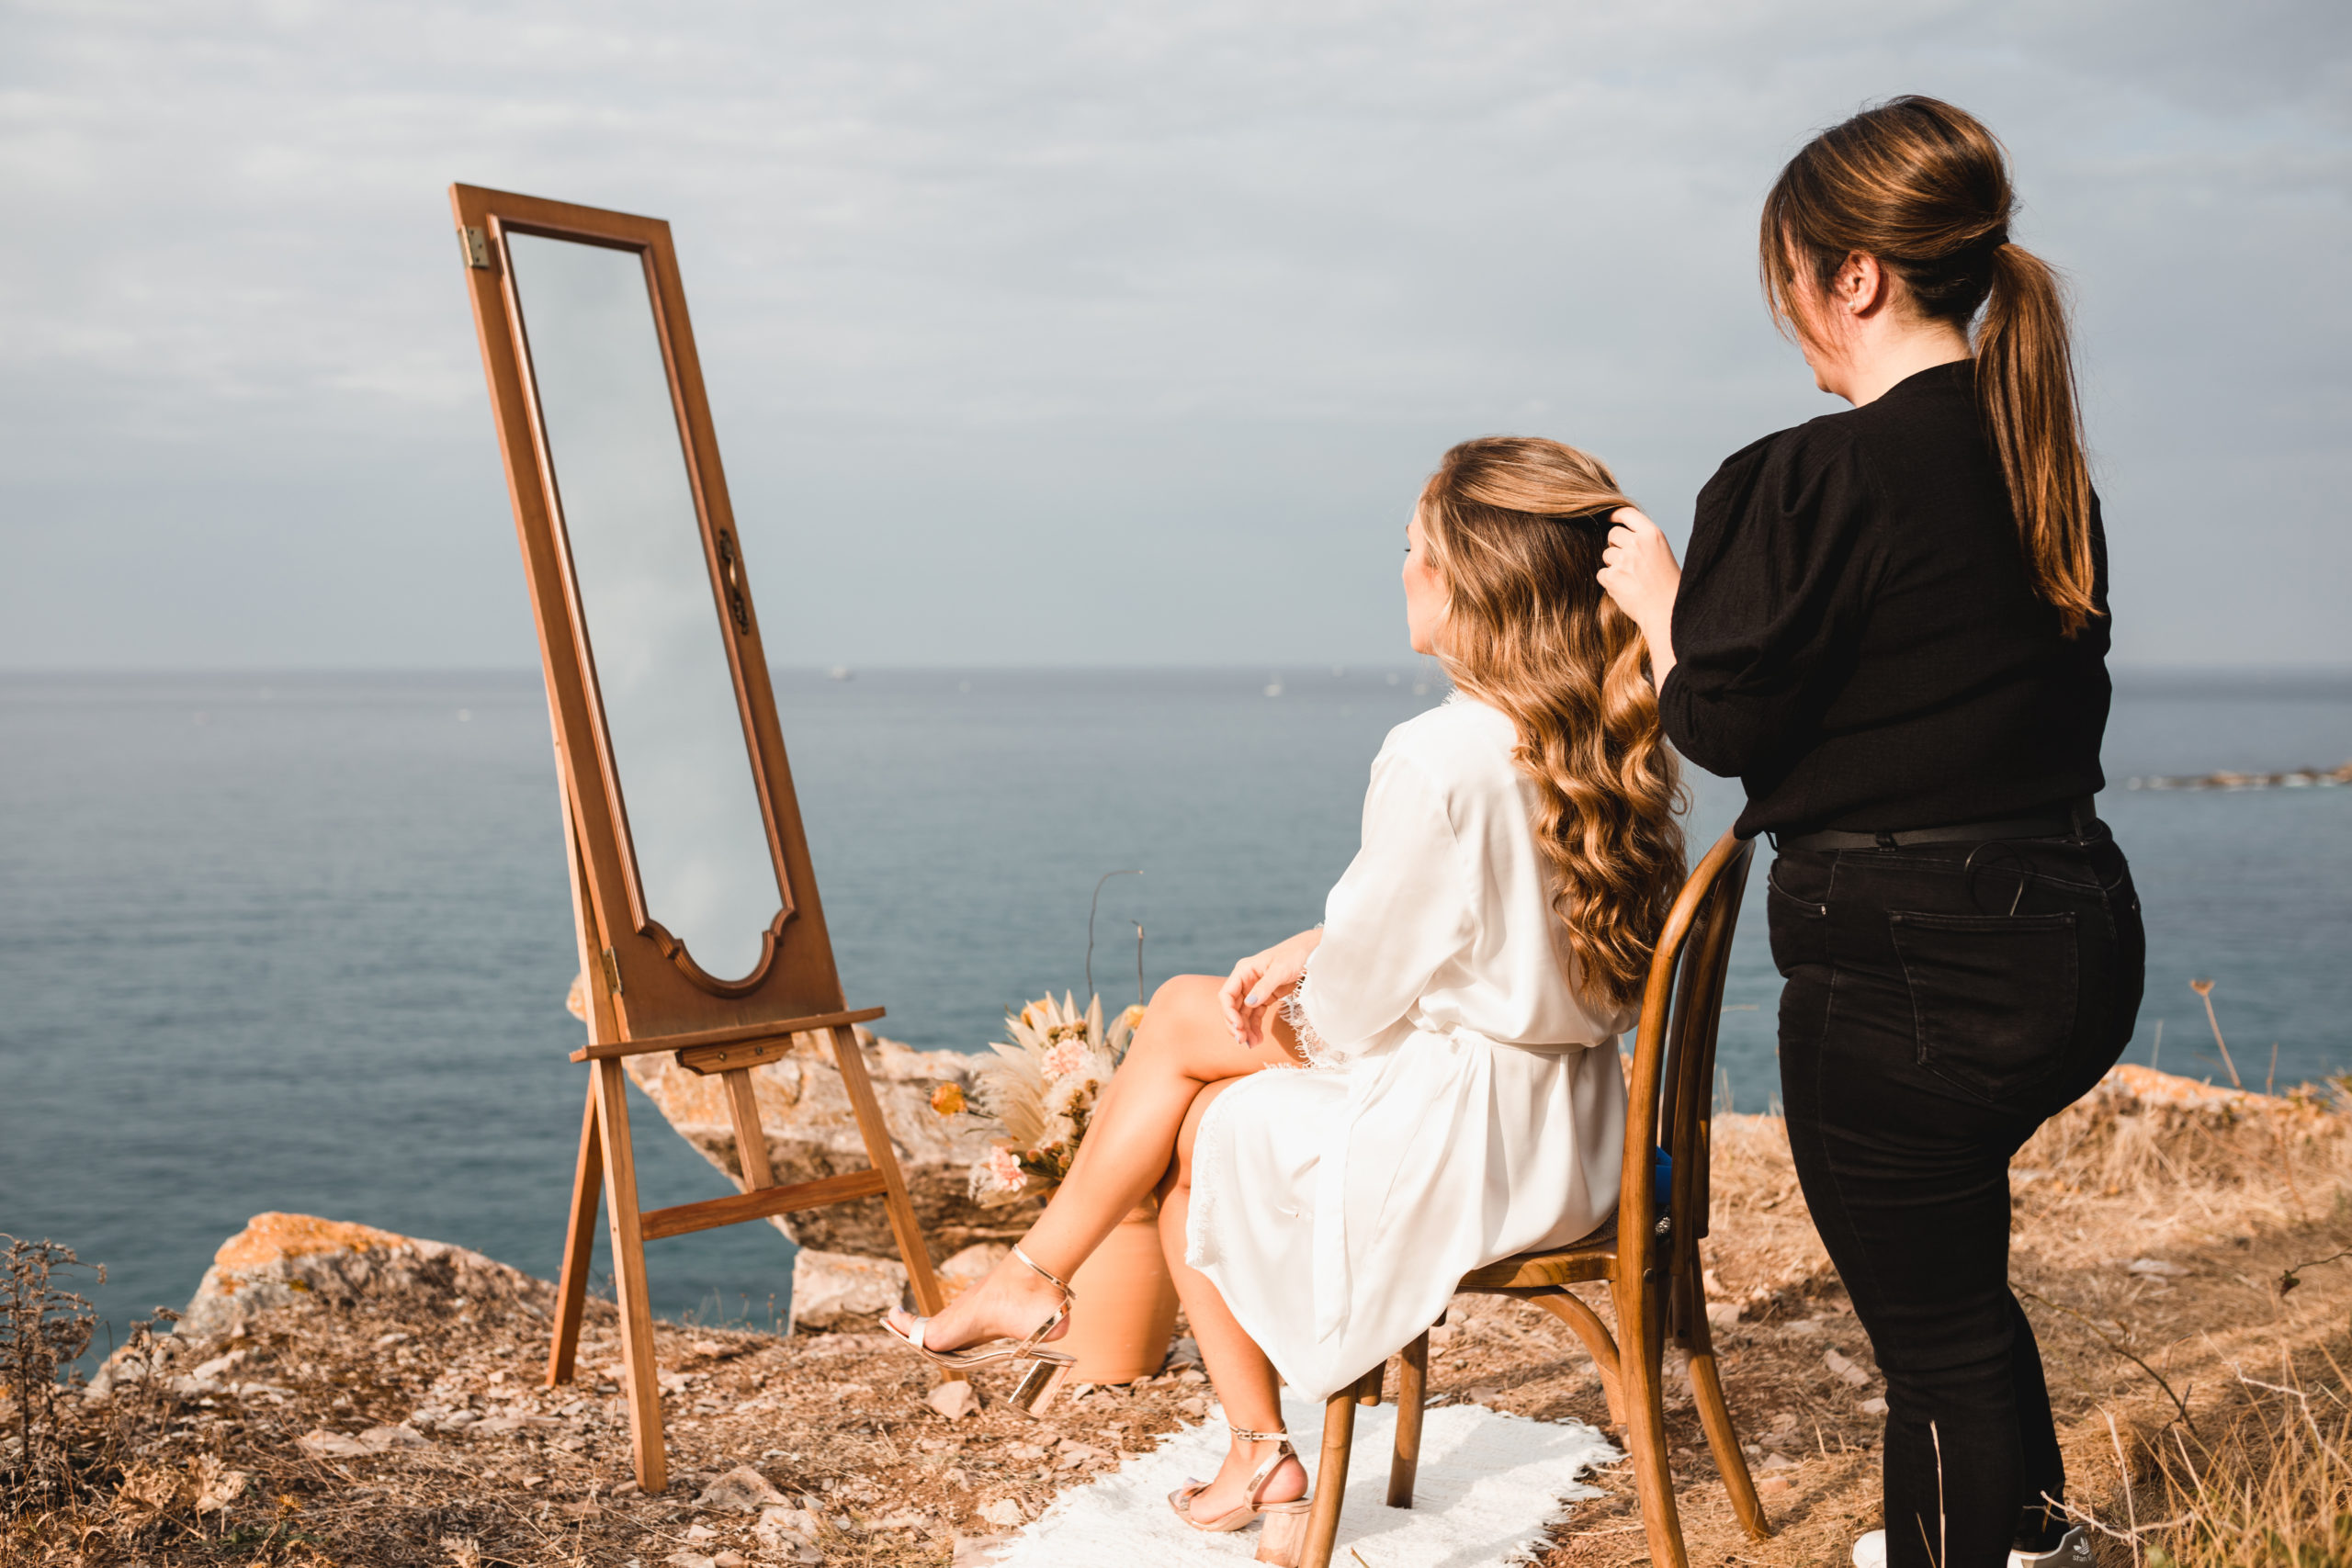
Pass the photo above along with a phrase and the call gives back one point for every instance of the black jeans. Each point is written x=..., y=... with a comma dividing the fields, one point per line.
x=1942, y=1001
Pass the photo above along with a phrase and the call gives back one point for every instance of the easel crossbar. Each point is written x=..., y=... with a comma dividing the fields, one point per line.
x=760, y=1205
x=781, y=1029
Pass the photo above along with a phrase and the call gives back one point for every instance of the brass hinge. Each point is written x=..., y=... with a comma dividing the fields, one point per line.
x=474, y=246
x=612, y=972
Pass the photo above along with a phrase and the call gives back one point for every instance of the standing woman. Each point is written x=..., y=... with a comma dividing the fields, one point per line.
x=1893, y=629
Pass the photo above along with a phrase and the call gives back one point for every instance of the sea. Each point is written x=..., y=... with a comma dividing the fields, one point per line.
x=301, y=941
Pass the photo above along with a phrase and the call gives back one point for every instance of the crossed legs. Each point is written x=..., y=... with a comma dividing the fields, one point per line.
x=1141, y=1142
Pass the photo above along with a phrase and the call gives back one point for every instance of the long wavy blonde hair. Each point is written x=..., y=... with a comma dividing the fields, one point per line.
x=1515, y=526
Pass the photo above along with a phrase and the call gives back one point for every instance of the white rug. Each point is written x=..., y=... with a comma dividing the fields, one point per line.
x=1489, y=1484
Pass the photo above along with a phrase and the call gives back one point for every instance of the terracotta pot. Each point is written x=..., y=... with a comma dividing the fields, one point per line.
x=1127, y=1304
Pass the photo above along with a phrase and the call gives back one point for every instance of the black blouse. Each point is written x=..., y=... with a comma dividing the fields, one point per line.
x=1856, y=637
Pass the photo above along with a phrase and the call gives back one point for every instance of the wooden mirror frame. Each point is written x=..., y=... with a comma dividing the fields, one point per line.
x=657, y=987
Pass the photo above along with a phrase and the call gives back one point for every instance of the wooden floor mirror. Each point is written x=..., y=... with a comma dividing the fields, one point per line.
x=700, y=928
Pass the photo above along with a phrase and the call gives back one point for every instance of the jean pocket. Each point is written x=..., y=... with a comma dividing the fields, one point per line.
x=1993, y=996
x=1804, y=908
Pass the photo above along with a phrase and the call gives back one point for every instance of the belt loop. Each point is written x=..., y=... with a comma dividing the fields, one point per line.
x=1886, y=842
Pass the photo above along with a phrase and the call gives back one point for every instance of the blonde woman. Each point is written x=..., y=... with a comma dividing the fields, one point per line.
x=1455, y=1014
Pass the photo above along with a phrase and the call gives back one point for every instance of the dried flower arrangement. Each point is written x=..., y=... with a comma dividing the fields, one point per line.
x=1041, y=1088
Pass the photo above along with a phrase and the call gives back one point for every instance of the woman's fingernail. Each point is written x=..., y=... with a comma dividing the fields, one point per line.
x=1256, y=999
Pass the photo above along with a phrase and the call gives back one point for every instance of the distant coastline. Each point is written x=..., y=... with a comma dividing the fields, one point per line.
x=2296, y=778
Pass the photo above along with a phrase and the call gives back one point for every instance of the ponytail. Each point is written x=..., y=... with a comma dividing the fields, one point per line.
x=1924, y=187
x=2025, y=385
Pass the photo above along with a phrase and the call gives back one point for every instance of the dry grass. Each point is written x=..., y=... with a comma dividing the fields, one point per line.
x=2217, y=1198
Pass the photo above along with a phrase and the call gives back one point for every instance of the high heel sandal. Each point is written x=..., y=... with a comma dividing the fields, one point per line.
x=1046, y=1364
x=1286, y=1531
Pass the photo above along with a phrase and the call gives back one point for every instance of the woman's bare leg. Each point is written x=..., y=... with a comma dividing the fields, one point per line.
x=1183, y=1046
x=1245, y=1381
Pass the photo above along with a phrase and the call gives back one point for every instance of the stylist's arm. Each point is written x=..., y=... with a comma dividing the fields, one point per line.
x=1638, y=571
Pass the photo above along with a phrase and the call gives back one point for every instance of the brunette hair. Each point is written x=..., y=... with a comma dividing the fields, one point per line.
x=1515, y=528
x=1924, y=187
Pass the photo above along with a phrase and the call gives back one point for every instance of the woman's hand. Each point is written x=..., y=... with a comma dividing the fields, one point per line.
x=1259, y=982
x=1638, y=571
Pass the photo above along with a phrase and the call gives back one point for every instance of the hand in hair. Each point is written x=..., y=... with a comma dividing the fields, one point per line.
x=1638, y=571
x=1259, y=982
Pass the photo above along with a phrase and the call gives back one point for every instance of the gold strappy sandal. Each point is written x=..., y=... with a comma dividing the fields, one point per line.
x=1285, y=1531
x=1046, y=1364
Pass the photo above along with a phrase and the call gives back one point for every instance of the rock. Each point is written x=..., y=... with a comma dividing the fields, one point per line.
x=322, y=1443
x=730, y=1560
x=1874, y=1406
x=954, y=1400
x=219, y=1364
x=789, y=1534
x=969, y=1267
x=1846, y=1369
x=1722, y=1315
x=697, y=1534
x=2156, y=1268
x=811, y=1134
x=742, y=1489
x=281, y=1260
x=835, y=1290
x=1004, y=1513
x=690, y=1559
x=379, y=1439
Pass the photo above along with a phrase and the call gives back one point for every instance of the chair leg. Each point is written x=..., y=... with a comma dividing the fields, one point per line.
x=1412, y=1391
x=1331, y=1477
x=1707, y=1390
x=1642, y=1340
x=1714, y=1414
x=1570, y=1309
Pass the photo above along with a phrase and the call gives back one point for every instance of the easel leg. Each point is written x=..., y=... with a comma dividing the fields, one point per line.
x=579, y=1245
x=895, y=1201
x=629, y=1279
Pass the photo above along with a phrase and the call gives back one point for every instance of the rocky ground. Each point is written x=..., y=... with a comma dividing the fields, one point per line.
x=340, y=1396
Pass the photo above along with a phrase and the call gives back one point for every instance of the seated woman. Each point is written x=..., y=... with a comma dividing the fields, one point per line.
x=1456, y=1011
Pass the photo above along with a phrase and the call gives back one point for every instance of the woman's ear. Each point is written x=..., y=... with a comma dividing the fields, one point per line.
x=1861, y=285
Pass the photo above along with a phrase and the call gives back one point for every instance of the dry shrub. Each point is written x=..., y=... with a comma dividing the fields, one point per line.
x=2185, y=1159
x=2269, y=1485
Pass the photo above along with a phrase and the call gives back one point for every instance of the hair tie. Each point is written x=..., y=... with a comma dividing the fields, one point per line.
x=1996, y=239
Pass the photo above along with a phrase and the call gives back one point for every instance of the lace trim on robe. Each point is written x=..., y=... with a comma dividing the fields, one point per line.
x=1318, y=1051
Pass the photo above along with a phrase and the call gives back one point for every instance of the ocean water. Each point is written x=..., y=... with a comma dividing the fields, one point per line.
x=301, y=941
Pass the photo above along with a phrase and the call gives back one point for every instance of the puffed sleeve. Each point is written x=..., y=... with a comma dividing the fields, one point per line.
x=1401, y=912
x=1770, y=599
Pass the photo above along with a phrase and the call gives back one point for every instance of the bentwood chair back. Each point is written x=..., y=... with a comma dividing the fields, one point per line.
x=1648, y=1259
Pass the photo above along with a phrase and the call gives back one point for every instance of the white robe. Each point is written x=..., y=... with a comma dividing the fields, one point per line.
x=1464, y=1103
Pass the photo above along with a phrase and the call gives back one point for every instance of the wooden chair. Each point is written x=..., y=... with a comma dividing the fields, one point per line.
x=1649, y=1261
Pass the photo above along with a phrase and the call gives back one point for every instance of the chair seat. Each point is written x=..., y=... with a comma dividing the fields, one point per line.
x=1581, y=1260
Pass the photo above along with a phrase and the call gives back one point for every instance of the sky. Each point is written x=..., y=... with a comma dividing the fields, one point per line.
x=1089, y=334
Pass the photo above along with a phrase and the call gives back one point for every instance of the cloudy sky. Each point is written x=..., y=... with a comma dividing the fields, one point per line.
x=1082, y=334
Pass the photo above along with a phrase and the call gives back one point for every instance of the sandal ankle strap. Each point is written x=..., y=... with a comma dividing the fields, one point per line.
x=1249, y=1437
x=1047, y=1274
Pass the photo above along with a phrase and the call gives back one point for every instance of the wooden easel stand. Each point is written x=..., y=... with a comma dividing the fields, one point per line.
x=607, y=1167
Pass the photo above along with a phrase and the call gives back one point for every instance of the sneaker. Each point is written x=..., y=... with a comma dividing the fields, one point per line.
x=2073, y=1550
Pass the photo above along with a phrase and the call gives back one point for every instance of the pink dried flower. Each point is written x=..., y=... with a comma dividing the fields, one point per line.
x=1005, y=1174
x=1066, y=1058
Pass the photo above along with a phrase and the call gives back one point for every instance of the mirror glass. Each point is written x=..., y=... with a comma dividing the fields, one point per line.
x=678, y=741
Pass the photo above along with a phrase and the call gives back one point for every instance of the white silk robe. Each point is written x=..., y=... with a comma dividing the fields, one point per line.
x=1464, y=1102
